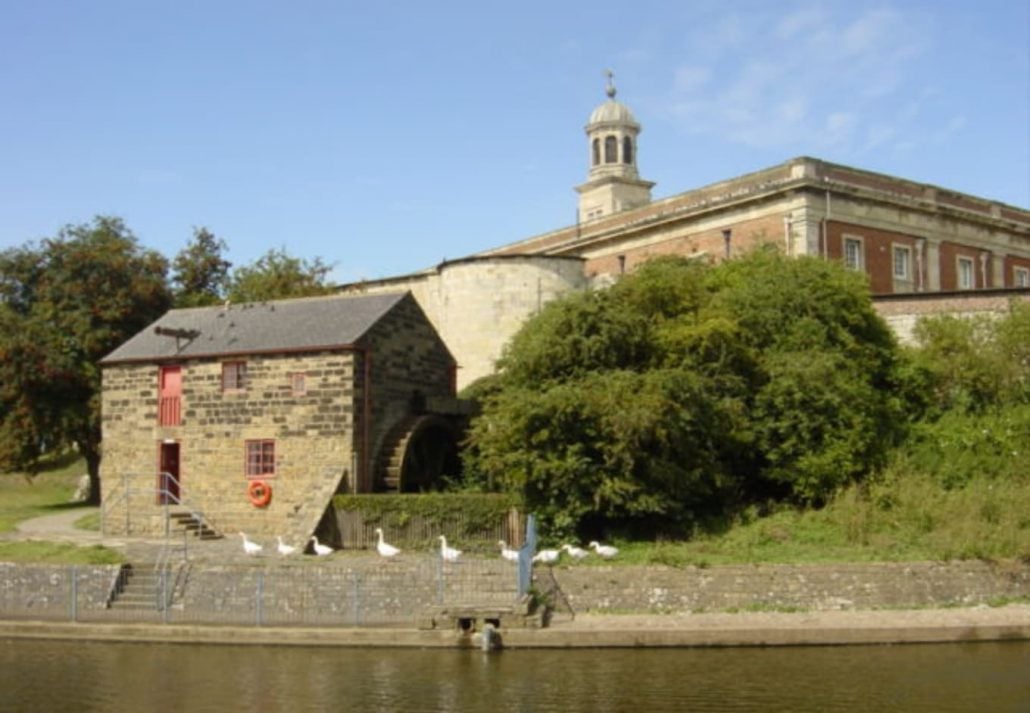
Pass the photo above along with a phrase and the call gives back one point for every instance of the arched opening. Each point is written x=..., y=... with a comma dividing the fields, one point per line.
x=429, y=451
x=611, y=148
x=596, y=151
x=627, y=149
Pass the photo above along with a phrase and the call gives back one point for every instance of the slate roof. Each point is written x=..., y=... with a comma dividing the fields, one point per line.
x=253, y=327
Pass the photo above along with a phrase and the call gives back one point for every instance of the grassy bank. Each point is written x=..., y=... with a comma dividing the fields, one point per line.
x=899, y=516
x=49, y=492
x=896, y=518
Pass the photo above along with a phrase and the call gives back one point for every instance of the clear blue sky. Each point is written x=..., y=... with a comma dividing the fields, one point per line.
x=387, y=136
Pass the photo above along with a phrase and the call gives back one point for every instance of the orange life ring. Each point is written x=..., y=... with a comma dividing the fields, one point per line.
x=260, y=493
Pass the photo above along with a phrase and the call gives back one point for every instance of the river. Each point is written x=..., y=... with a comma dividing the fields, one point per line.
x=58, y=676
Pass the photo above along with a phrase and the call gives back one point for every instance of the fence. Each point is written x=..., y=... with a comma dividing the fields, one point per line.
x=365, y=592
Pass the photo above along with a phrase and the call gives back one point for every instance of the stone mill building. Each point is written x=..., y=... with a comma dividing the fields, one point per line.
x=254, y=415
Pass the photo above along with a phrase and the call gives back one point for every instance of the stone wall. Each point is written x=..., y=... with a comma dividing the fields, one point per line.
x=48, y=591
x=902, y=312
x=312, y=433
x=478, y=303
x=607, y=589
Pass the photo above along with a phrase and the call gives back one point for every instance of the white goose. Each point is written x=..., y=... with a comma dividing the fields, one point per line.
x=606, y=551
x=251, y=548
x=320, y=549
x=449, y=554
x=284, y=549
x=507, y=552
x=576, y=553
x=547, y=557
x=383, y=548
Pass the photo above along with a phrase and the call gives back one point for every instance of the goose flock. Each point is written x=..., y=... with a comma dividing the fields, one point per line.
x=447, y=553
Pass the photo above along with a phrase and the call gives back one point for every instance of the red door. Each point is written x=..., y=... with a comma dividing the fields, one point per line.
x=169, y=409
x=168, y=474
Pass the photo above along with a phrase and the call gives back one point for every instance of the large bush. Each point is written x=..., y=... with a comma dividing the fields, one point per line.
x=686, y=390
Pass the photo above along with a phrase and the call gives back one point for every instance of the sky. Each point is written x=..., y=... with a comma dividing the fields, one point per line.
x=386, y=137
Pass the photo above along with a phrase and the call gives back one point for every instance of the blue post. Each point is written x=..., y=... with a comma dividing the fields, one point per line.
x=526, y=554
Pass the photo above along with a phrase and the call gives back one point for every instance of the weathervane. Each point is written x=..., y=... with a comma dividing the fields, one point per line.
x=610, y=88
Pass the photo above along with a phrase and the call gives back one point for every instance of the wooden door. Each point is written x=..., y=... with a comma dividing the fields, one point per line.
x=168, y=477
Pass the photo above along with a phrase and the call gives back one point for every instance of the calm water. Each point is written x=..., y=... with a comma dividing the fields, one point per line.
x=80, y=677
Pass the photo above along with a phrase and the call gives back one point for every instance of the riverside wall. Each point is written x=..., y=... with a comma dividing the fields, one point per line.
x=368, y=591
x=812, y=587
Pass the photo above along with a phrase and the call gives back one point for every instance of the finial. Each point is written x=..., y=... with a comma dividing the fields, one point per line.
x=610, y=88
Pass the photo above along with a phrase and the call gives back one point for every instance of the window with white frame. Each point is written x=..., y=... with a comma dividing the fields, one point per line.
x=853, y=254
x=966, y=274
x=1021, y=277
x=902, y=262
x=260, y=458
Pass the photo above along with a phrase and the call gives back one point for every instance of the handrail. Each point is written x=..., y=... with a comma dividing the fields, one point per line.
x=168, y=493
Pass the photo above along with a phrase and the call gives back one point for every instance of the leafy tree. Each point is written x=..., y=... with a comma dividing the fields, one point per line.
x=974, y=364
x=278, y=275
x=63, y=306
x=686, y=390
x=200, y=272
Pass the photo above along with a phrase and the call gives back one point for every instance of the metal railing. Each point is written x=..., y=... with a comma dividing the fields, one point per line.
x=167, y=494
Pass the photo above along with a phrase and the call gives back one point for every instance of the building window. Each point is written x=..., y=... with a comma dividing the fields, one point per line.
x=902, y=263
x=260, y=459
x=234, y=376
x=853, y=254
x=298, y=383
x=1021, y=277
x=966, y=276
x=611, y=147
x=627, y=149
x=596, y=151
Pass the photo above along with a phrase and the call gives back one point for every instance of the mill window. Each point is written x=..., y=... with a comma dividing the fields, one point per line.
x=627, y=149
x=234, y=376
x=260, y=459
x=611, y=148
x=966, y=276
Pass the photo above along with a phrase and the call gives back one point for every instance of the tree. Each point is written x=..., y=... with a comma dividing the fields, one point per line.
x=63, y=306
x=278, y=275
x=686, y=390
x=200, y=273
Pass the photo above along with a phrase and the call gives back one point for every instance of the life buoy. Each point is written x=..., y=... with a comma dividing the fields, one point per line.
x=260, y=493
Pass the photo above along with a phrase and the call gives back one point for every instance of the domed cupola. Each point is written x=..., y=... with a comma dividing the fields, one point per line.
x=613, y=183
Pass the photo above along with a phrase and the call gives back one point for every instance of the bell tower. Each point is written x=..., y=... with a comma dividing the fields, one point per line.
x=613, y=183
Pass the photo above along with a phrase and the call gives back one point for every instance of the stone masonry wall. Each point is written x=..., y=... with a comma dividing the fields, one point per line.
x=609, y=589
x=312, y=432
x=408, y=358
x=45, y=591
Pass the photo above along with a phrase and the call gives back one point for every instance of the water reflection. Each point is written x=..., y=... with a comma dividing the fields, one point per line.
x=59, y=676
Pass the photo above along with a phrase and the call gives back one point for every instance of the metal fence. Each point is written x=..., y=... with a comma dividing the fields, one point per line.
x=365, y=592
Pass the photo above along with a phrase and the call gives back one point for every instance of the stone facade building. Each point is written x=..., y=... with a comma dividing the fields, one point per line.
x=907, y=237
x=305, y=398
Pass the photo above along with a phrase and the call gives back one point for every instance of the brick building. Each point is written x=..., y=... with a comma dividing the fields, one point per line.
x=308, y=397
x=907, y=237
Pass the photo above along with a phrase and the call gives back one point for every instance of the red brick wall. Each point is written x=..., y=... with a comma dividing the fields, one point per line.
x=878, y=253
x=1011, y=263
x=949, y=255
x=745, y=236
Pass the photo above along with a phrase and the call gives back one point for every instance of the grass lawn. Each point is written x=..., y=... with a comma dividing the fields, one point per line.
x=47, y=493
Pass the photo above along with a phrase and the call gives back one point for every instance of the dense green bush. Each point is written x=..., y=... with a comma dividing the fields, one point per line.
x=685, y=391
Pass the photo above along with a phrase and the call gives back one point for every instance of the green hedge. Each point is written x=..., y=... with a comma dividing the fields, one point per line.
x=474, y=512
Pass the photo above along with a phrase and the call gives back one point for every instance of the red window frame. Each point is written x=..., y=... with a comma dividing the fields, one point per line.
x=259, y=458
x=234, y=376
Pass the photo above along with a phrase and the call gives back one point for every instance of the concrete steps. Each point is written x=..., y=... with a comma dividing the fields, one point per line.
x=140, y=588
